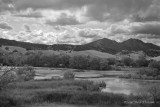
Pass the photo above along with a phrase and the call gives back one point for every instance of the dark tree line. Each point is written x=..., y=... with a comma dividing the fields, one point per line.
x=39, y=59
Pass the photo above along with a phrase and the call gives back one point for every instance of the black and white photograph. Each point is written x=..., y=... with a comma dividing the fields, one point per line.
x=79, y=53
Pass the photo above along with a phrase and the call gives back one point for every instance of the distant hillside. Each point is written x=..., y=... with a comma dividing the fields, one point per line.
x=92, y=53
x=102, y=45
x=25, y=45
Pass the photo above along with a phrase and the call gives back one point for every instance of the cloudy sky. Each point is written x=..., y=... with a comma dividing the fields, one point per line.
x=79, y=21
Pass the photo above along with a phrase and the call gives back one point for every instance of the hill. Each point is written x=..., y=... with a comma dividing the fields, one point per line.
x=101, y=45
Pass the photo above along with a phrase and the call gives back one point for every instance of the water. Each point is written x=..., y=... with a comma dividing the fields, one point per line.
x=114, y=85
x=126, y=86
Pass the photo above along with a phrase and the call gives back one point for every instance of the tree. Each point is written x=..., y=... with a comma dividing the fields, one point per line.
x=142, y=61
x=64, y=60
x=79, y=62
x=13, y=59
x=127, y=61
x=26, y=73
x=111, y=61
x=8, y=76
x=154, y=65
x=104, y=64
x=94, y=63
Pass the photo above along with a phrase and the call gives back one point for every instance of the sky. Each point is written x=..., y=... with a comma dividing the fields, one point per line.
x=79, y=21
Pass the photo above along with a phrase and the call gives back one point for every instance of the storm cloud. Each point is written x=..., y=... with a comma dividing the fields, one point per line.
x=96, y=9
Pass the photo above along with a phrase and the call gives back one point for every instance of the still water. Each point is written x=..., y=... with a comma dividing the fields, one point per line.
x=114, y=85
x=126, y=86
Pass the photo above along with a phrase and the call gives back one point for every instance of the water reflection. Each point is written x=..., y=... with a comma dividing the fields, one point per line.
x=124, y=86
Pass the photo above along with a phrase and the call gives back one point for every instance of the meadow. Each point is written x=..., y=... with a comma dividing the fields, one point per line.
x=79, y=92
x=84, y=90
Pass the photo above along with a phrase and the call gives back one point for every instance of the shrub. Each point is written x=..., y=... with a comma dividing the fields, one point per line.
x=7, y=77
x=148, y=72
x=102, y=84
x=26, y=73
x=69, y=75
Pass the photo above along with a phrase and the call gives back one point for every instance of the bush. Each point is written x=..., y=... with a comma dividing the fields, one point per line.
x=26, y=73
x=102, y=84
x=149, y=72
x=7, y=77
x=69, y=75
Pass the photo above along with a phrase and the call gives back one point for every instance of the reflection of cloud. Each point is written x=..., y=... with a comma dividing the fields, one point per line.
x=5, y=26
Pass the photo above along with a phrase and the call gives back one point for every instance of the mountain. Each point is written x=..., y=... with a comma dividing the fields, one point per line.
x=138, y=45
x=102, y=45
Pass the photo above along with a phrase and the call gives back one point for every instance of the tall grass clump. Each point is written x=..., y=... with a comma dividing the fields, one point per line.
x=69, y=75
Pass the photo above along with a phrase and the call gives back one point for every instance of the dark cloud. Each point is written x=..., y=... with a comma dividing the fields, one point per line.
x=6, y=5
x=100, y=10
x=152, y=28
x=152, y=13
x=5, y=26
x=48, y=4
x=6, y=1
x=30, y=15
x=138, y=18
x=63, y=20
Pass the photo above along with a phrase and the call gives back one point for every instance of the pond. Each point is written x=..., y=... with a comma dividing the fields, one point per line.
x=126, y=86
x=114, y=84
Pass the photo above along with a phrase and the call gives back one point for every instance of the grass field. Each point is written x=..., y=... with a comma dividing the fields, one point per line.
x=77, y=92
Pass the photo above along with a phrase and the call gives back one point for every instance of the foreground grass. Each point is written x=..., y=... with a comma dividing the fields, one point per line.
x=61, y=93
x=78, y=92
